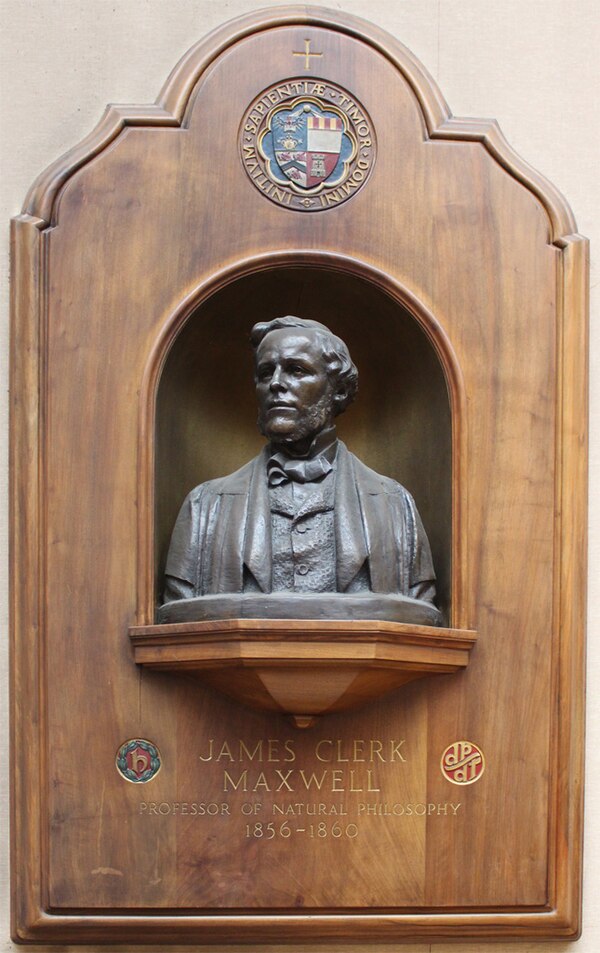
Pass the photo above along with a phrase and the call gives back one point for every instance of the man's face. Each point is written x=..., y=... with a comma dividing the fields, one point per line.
x=294, y=392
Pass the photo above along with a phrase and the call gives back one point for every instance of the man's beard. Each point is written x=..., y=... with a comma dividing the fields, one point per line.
x=304, y=428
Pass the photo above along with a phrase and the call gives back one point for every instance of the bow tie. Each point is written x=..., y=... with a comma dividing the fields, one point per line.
x=282, y=469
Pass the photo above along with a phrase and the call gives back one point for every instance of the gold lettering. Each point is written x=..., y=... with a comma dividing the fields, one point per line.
x=273, y=747
x=370, y=782
x=339, y=753
x=289, y=750
x=357, y=747
x=140, y=758
x=284, y=777
x=395, y=750
x=308, y=782
x=225, y=752
x=352, y=788
x=242, y=781
x=382, y=809
x=261, y=782
x=318, y=749
x=336, y=778
x=346, y=188
x=245, y=752
x=376, y=749
x=355, y=114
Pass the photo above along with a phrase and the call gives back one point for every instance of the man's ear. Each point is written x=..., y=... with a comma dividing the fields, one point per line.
x=340, y=397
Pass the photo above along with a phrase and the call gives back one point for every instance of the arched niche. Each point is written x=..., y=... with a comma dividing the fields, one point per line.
x=401, y=423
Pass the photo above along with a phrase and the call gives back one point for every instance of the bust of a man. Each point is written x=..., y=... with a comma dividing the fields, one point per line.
x=305, y=517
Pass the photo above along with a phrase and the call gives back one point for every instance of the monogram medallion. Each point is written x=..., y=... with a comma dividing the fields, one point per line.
x=138, y=760
x=463, y=762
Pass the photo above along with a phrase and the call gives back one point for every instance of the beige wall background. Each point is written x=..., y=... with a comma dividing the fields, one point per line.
x=531, y=64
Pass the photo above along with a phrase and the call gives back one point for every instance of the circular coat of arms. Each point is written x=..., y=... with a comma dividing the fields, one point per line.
x=463, y=762
x=307, y=144
x=138, y=760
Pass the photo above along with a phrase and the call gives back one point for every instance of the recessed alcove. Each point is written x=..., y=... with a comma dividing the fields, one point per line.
x=400, y=423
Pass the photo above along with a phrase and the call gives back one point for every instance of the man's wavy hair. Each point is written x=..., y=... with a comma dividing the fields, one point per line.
x=335, y=354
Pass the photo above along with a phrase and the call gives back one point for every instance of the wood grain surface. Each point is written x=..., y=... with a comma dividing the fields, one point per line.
x=303, y=668
x=139, y=260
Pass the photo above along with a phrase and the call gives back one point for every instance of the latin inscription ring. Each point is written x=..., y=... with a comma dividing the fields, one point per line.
x=307, y=144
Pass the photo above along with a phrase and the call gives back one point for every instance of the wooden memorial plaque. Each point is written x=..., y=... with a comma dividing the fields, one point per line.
x=162, y=792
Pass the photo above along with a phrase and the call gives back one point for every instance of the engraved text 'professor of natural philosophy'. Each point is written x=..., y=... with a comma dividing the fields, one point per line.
x=305, y=516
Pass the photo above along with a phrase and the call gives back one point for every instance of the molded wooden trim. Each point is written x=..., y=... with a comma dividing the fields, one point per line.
x=169, y=110
x=566, y=829
x=291, y=927
x=26, y=582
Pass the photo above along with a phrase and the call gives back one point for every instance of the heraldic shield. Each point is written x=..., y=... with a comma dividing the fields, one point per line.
x=307, y=144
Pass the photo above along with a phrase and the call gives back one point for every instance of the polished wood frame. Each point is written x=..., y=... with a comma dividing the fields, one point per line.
x=34, y=919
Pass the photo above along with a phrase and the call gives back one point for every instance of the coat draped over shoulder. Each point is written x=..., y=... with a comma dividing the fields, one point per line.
x=223, y=533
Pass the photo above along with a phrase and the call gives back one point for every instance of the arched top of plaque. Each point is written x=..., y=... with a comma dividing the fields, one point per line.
x=310, y=62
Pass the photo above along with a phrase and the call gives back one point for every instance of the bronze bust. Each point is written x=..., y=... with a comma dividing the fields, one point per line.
x=305, y=529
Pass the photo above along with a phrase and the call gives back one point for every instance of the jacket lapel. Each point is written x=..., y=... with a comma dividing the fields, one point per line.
x=256, y=543
x=350, y=538
x=383, y=526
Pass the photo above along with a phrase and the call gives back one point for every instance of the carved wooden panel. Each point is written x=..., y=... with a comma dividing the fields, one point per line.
x=457, y=275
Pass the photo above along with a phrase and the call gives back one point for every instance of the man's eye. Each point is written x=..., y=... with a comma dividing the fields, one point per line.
x=297, y=370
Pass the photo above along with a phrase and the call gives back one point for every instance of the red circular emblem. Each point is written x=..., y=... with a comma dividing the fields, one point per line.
x=463, y=762
x=138, y=760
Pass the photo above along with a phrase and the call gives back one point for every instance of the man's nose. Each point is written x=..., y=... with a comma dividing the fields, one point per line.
x=277, y=382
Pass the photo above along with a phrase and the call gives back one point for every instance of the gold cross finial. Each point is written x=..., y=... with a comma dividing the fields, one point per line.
x=307, y=54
